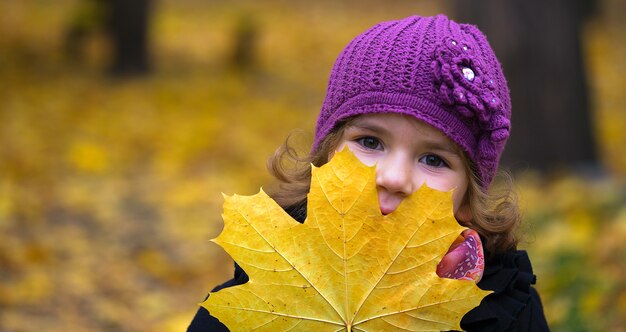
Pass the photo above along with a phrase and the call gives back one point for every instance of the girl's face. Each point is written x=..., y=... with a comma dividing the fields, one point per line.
x=407, y=153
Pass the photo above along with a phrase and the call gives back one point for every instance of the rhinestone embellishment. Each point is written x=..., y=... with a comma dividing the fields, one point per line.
x=468, y=73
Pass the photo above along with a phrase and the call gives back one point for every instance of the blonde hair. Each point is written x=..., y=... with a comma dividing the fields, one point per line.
x=495, y=214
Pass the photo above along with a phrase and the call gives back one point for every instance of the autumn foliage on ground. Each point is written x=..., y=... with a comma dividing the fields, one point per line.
x=110, y=189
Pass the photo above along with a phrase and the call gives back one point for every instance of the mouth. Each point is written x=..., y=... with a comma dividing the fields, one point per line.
x=465, y=259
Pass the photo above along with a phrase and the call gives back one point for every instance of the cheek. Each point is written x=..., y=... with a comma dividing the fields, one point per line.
x=458, y=196
x=440, y=182
x=340, y=147
x=445, y=183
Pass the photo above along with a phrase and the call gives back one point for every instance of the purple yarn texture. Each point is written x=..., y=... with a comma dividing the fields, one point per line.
x=432, y=68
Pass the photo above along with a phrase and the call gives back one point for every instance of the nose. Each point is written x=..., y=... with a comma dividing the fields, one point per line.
x=395, y=174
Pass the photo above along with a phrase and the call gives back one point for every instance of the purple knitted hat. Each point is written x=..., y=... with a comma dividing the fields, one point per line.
x=434, y=69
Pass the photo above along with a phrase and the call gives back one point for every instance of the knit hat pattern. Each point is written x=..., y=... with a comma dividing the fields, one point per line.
x=432, y=68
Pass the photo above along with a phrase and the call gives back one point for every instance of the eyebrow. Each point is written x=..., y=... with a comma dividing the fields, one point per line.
x=446, y=147
x=367, y=126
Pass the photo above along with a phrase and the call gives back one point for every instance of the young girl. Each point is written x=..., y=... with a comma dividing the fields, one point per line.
x=425, y=100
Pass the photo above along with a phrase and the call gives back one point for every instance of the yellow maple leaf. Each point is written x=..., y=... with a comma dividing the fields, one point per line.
x=347, y=267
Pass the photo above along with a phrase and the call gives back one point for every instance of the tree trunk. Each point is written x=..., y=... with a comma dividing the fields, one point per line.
x=538, y=43
x=128, y=27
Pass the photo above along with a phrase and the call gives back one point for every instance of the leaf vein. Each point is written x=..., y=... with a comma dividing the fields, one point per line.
x=283, y=257
x=279, y=314
x=393, y=261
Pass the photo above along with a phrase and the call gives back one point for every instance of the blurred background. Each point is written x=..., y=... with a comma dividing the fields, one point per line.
x=122, y=122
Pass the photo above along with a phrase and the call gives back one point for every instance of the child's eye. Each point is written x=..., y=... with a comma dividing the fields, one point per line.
x=370, y=142
x=433, y=161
